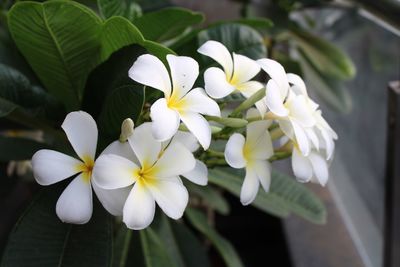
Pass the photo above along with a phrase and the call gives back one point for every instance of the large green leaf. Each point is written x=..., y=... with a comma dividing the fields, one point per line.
x=125, y=8
x=238, y=38
x=6, y=107
x=15, y=148
x=41, y=239
x=59, y=39
x=227, y=251
x=167, y=23
x=154, y=250
x=327, y=58
x=285, y=195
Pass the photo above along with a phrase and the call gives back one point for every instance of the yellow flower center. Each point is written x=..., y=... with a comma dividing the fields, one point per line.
x=146, y=174
x=175, y=102
x=86, y=168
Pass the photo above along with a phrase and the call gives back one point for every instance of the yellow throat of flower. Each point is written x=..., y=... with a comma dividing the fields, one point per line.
x=86, y=168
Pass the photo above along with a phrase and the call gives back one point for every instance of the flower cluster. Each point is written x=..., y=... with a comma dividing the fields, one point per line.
x=146, y=164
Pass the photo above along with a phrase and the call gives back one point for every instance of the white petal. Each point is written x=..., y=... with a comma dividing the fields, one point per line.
x=329, y=144
x=150, y=71
x=175, y=161
x=297, y=81
x=302, y=168
x=112, y=200
x=171, y=196
x=81, y=130
x=50, y=166
x=301, y=138
x=198, y=101
x=187, y=139
x=287, y=128
x=250, y=187
x=219, y=53
x=184, y=72
x=121, y=149
x=75, y=204
x=258, y=140
x=234, y=151
x=320, y=168
x=165, y=120
x=262, y=168
x=139, y=209
x=313, y=137
x=216, y=84
x=247, y=89
x=277, y=73
x=199, y=175
x=112, y=172
x=275, y=100
x=252, y=113
x=300, y=111
x=244, y=69
x=198, y=126
x=144, y=145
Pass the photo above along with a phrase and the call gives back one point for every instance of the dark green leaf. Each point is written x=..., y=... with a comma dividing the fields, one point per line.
x=123, y=102
x=227, y=251
x=59, y=39
x=155, y=252
x=125, y=8
x=167, y=23
x=238, y=38
x=6, y=107
x=327, y=58
x=15, y=148
x=41, y=239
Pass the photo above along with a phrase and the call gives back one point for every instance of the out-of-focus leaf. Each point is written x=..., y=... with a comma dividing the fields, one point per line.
x=327, y=58
x=332, y=92
x=167, y=23
x=290, y=65
x=125, y=8
x=286, y=195
x=59, y=39
x=238, y=38
x=40, y=239
x=127, y=249
x=227, y=251
x=15, y=148
x=255, y=22
x=154, y=251
x=210, y=197
x=181, y=245
x=6, y=107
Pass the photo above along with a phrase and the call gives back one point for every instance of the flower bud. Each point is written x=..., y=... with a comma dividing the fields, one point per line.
x=126, y=130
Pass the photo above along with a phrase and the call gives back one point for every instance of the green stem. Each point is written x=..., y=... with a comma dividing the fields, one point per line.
x=211, y=163
x=213, y=153
x=280, y=155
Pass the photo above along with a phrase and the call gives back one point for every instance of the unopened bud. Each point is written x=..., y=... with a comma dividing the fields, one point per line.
x=126, y=130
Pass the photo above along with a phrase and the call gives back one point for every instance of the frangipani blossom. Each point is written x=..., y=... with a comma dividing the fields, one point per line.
x=155, y=177
x=180, y=102
x=238, y=70
x=312, y=168
x=75, y=204
x=251, y=153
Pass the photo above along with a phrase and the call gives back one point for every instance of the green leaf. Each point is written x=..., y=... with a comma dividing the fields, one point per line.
x=155, y=253
x=327, y=58
x=227, y=251
x=230, y=181
x=331, y=91
x=167, y=23
x=59, y=39
x=40, y=239
x=125, y=8
x=286, y=195
x=6, y=107
x=257, y=23
x=123, y=102
x=238, y=38
x=18, y=148
x=210, y=196
x=16, y=88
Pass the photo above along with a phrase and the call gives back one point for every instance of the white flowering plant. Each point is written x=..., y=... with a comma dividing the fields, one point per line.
x=145, y=121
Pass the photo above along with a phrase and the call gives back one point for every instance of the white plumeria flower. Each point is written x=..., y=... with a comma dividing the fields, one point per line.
x=75, y=204
x=199, y=174
x=251, y=153
x=181, y=102
x=155, y=177
x=238, y=70
x=326, y=135
x=313, y=167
